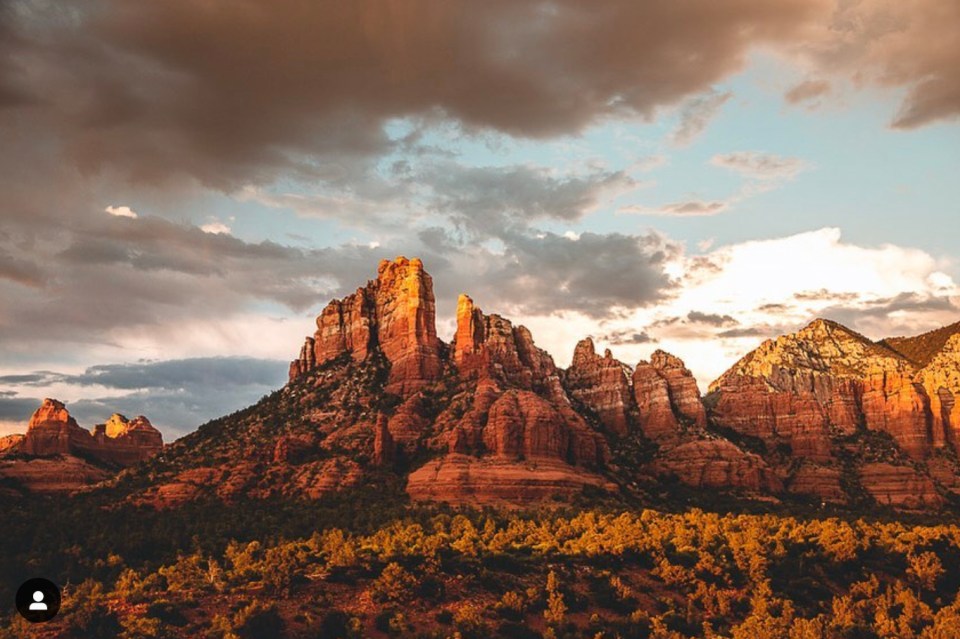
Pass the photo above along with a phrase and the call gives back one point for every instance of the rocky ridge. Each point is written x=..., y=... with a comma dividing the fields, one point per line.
x=375, y=398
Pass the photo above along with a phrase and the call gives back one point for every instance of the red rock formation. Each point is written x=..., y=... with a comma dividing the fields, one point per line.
x=940, y=379
x=396, y=314
x=682, y=388
x=489, y=346
x=820, y=481
x=717, y=463
x=64, y=474
x=464, y=479
x=894, y=404
x=657, y=419
x=307, y=360
x=825, y=379
x=899, y=486
x=52, y=431
x=10, y=444
x=601, y=383
x=406, y=324
x=383, y=446
x=407, y=424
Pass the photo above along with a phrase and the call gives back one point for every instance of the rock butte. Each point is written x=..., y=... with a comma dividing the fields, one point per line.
x=53, y=433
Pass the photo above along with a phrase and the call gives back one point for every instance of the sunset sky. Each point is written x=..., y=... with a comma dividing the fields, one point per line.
x=184, y=184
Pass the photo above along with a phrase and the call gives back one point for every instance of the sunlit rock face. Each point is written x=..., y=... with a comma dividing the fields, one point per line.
x=826, y=379
x=396, y=313
x=52, y=431
x=602, y=384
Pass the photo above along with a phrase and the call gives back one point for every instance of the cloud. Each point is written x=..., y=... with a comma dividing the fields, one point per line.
x=912, y=45
x=712, y=319
x=491, y=198
x=760, y=166
x=763, y=172
x=146, y=276
x=686, y=208
x=121, y=211
x=696, y=114
x=176, y=88
x=21, y=271
x=542, y=273
x=619, y=338
x=807, y=91
x=215, y=228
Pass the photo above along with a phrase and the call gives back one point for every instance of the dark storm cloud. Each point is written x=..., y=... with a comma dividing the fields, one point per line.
x=212, y=373
x=21, y=271
x=913, y=44
x=17, y=409
x=117, y=272
x=489, y=199
x=232, y=91
x=546, y=273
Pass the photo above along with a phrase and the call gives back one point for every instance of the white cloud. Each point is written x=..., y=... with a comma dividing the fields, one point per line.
x=121, y=211
x=215, y=228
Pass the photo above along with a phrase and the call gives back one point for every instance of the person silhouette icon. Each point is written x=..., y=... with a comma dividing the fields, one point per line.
x=38, y=601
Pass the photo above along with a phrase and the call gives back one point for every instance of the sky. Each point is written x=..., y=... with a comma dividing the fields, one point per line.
x=184, y=185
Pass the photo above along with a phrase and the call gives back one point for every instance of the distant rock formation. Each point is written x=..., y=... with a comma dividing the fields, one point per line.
x=121, y=442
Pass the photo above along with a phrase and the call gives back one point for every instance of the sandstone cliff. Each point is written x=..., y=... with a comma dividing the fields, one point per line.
x=394, y=314
x=821, y=390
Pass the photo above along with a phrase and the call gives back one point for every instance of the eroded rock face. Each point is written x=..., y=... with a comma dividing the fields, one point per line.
x=395, y=313
x=465, y=479
x=489, y=346
x=899, y=486
x=522, y=425
x=406, y=324
x=825, y=380
x=602, y=384
x=52, y=431
x=718, y=463
x=681, y=387
x=652, y=393
x=667, y=397
x=940, y=379
x=820, y=481
x=62, y=474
